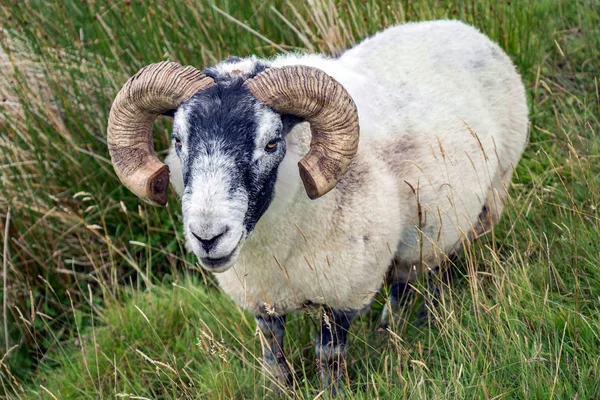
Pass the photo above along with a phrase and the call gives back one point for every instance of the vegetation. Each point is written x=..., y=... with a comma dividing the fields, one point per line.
x=101, y=301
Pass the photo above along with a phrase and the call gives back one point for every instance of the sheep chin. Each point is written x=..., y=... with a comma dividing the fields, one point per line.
x=222, y=264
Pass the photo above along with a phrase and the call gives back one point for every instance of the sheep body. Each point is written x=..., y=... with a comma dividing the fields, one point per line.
x=443, y=121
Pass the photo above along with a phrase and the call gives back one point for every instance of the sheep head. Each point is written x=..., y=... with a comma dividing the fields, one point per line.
x=217, y=117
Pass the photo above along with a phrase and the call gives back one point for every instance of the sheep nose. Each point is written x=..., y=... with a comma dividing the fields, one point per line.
x=207, y=242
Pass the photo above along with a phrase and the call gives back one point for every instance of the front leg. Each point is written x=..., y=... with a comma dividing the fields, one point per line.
x=398, y=296
x=272, y=329
x=331, y=346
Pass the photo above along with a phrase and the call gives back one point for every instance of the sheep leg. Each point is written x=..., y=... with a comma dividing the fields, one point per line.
x=272, y=329
x=397, y=297
x=401, y=294
x=431, y=298
x=331, y=346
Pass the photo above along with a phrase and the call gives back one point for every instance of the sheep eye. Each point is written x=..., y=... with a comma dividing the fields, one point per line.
x=271, y=146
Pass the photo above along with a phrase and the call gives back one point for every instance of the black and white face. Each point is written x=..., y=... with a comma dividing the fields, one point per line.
x=229, y=147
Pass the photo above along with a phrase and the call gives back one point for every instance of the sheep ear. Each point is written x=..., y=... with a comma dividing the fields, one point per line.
x=169, y=113
x=289, y=122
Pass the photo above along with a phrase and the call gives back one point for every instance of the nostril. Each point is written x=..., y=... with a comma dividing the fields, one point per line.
x=209, y=243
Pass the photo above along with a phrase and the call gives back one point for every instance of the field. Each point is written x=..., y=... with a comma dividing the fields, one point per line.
x=100, y=299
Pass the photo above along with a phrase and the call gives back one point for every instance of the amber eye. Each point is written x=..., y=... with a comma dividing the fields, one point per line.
x=178, y=143
x=271, y=146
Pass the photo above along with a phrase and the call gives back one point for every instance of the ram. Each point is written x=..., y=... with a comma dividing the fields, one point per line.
x=284, y=203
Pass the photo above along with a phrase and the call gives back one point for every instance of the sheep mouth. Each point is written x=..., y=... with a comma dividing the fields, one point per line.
x=221, y=264
x=216, y=262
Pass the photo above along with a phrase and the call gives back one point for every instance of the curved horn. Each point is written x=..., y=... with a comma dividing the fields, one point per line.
x=311, y=94
x=155, y=89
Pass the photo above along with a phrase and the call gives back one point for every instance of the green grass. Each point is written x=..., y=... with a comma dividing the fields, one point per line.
x=91, y=311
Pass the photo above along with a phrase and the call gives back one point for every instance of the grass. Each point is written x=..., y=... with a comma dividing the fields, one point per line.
x=102, y=301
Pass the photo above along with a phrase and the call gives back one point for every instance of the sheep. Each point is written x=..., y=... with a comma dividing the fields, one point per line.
x=443, y=122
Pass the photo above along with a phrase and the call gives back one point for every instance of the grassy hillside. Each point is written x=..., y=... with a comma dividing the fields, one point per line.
x=100, y=299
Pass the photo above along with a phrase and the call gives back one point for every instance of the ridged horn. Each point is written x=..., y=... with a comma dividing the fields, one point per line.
x=311, y=94
x=155, y=89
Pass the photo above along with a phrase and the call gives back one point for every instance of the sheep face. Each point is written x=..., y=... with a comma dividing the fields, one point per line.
x=226, y=149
